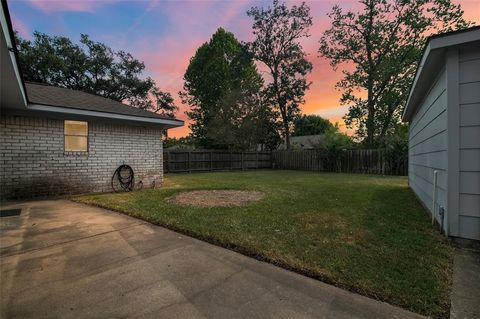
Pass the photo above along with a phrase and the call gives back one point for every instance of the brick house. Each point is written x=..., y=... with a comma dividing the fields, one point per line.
x=56, y=141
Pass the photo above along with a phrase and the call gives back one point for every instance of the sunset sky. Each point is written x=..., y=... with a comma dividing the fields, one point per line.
x=165, y=35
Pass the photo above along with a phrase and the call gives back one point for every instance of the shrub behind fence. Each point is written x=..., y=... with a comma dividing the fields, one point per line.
x=372, y=161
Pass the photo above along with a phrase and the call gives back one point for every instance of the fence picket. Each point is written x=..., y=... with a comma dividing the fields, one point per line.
x=373, y=161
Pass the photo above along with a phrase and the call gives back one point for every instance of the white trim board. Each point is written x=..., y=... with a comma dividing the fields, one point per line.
x=10, y=47
x=433, y=54
x=65, y=111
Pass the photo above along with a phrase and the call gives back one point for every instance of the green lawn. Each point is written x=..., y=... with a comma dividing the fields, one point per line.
x=366, y=233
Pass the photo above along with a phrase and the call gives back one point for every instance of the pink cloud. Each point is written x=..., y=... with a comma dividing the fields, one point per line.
x=322, y=98
x=471, y=9
x=151, y=5
x=49, y=6
x=167, y=58
x=22, y=29
x=233, y=12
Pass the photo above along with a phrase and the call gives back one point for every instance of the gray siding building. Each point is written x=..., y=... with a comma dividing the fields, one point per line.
x=56, y=141
x=443, y=110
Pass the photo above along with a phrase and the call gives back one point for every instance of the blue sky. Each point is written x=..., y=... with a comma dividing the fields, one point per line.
x=165, y=34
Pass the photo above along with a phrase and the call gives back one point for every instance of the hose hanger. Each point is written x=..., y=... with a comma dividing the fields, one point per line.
x=123, y=180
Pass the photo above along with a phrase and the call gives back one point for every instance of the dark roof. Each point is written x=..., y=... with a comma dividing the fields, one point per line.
x=445, y=34
x=50, y=95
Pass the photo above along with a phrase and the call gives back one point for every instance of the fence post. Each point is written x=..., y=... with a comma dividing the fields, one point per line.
x=165, y=161
x=211, y=162
x=188, y=162
x=383, y=162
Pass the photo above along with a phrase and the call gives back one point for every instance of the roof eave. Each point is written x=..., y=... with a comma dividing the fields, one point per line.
x=133, y=119
x=435, y=44
x=408, y=107
x=9, y=38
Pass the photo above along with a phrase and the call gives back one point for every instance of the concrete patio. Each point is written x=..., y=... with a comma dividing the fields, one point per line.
x=61, y=259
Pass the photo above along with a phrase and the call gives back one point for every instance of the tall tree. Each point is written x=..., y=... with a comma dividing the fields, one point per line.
x=278, y=31
x=311, y=125
x=382, y=42
x=91, y=67
x=222, y=86
x=156, y=101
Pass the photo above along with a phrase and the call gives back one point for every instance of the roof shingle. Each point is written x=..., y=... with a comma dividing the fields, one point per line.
x=50, y=95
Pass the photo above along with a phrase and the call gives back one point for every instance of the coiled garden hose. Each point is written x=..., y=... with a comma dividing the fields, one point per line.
x=123, y=180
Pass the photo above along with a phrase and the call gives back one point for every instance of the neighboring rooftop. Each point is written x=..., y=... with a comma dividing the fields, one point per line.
x=305, y=142
x=50, y=95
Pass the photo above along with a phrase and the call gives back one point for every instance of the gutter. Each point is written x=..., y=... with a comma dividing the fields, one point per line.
x=65, y=111
x=9, y=36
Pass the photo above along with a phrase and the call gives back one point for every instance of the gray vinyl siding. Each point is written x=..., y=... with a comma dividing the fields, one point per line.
x=428, y=145
x=469, y=150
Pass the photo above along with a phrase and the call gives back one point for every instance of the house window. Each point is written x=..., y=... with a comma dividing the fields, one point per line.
x=76, y=136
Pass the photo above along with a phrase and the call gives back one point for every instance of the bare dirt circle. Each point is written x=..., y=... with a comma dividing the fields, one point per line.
x=216, y=198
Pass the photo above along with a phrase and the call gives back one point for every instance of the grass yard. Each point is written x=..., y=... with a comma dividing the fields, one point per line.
x=366, y=233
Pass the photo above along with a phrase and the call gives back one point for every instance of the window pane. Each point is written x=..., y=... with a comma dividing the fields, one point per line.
x=76, y=143
x=76, y=128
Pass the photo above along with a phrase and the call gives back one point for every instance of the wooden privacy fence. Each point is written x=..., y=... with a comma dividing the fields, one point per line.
x=191, y=161
x=371, y=161
x=374, y=161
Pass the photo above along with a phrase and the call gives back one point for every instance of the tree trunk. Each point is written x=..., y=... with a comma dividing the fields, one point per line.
x=370, y=121
x=370, y=102
x=287, y=134
x=283, y=109
x=386, y=124
x=283, y=112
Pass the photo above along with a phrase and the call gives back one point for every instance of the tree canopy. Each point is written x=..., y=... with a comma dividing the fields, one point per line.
x=91, y=67
x=277, y=30
x=223, y=87
x=383, y=43
x=311, y=125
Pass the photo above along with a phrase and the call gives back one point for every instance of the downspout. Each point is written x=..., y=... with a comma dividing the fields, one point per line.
x=441, y=213
x=434, y=200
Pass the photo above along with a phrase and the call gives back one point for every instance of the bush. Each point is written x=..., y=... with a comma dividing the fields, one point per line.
x=396, y=147
x=332, y=147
